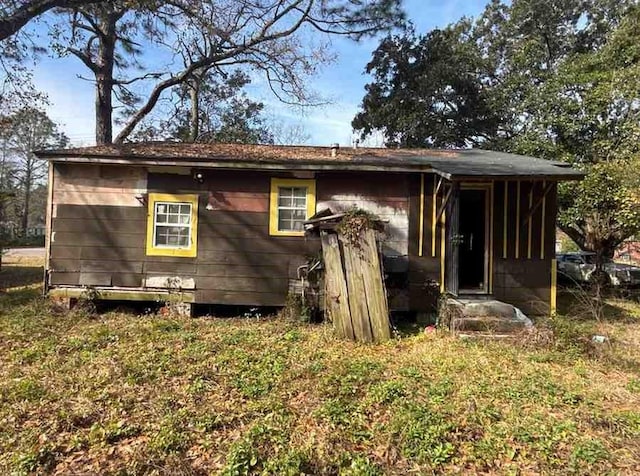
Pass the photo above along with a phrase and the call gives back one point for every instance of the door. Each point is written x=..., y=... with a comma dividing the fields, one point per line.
x=473, y=241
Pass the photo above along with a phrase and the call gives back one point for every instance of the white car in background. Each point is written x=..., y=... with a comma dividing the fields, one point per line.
x=578, y=268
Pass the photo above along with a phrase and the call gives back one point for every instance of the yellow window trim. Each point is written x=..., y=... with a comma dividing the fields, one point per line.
x=276, y=183
x=189, y=252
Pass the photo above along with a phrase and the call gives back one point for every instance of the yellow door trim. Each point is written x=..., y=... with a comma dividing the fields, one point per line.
x=421, y=238
x=554, y=287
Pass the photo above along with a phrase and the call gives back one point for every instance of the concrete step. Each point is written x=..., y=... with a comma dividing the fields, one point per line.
x=491, y=317
x=487, y=324
x=484, y=336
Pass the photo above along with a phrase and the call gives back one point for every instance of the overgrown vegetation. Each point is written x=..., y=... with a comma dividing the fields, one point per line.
x=117, y=393
x=354, y=223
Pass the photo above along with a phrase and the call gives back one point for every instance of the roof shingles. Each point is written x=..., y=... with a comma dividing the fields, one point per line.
x=450, y=163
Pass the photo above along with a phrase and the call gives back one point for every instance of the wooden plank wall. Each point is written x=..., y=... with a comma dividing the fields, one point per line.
x=425, y=266
x=237, y=262
x=385, y=195
x=99, y=229
x=521, y=264
x=523, y=252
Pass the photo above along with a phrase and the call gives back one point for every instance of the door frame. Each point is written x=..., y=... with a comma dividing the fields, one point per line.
x=487, y=187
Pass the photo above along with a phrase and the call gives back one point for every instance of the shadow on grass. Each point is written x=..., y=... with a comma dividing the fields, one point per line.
x=19, y=297
x=17, y=276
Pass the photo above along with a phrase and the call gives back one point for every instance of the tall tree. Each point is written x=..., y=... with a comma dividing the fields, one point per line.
x=22, y=133
x=428, y=91
x=211, y=108
x=561, y=78
x=284, y=40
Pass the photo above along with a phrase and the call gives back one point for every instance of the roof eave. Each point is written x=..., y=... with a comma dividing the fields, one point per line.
x=542, y=176
x=244, y=164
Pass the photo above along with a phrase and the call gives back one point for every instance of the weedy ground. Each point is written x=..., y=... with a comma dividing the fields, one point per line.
x=118, y=393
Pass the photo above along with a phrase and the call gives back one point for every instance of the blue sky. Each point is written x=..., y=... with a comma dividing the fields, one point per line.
x=342, y=82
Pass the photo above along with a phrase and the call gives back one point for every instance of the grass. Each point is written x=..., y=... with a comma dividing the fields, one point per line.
x=118, y=393
x=18, y=271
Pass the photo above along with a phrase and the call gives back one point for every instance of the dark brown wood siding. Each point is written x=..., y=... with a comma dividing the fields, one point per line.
x=425, y=263
x=99, y=233
x=522, y=269
x=385, y=195
x=237, y=261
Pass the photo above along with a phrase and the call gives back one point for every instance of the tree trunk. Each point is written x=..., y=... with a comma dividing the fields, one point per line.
x=104, y=110
x=26, y=205
x=194, y=92
x=104, y=78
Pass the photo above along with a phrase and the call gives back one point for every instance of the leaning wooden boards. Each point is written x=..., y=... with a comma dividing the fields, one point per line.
x=356, y=299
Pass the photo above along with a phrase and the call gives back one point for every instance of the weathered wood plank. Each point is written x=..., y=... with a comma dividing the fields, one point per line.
x=214, y=231
x=357, y=293
x=229, y=217
x=127, y=280
x=261, y=271
x=94, y=279
x=96, y=226
x=241, y=258
x=276, y=245
x=70, y=279
x=64, y=265
x=269, y=285
x=176, y=268
x=117, y=240
x=240, y=298
x=100, y=213
x=98, y=197
x=336, y=295
x=375, y=292
x=109, y=253
x=65, y=252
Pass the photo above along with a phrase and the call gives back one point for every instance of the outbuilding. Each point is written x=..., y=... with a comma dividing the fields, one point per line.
x=224, y=223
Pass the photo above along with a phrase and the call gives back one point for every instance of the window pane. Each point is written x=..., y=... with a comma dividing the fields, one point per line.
x=292, y=208
x=284, y=225
x=172, y=236
x=161, y=218
x=185, y=209
x=161, y=239
x=172, y=219
x=185, y=219
x=285, y=192
x=300, y=192
x=285, y=201
x=174, y=208
x=286, y=214
x=161, y=208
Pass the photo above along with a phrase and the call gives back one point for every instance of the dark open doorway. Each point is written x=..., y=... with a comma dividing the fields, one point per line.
x=472, y=271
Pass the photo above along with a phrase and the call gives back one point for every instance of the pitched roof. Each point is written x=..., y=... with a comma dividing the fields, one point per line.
x=450, y=163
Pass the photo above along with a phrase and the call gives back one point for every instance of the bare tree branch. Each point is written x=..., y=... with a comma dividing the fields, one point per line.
x=29, y=10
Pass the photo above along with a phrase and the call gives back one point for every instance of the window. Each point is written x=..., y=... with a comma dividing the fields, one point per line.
x=172, y=225
x=292, y=202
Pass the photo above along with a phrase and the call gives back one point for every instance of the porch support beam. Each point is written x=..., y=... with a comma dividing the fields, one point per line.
x=443, y=205
x=536, y=204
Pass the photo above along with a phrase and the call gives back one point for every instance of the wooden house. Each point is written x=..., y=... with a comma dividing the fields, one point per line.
x=224, y=224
